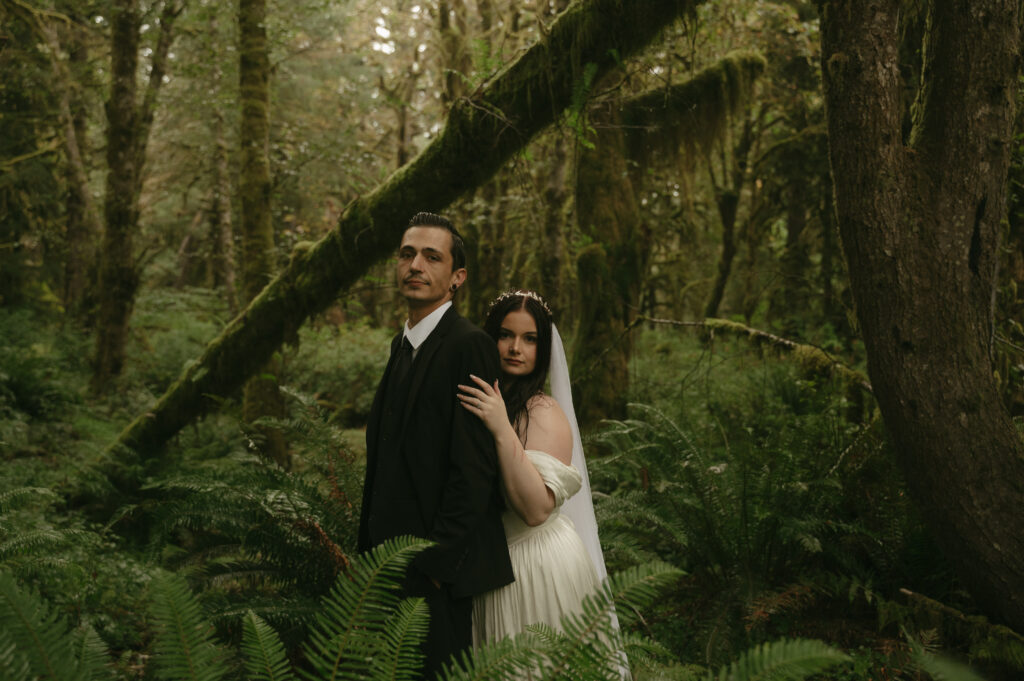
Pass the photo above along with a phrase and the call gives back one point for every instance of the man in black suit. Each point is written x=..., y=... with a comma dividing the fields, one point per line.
x=431, y=466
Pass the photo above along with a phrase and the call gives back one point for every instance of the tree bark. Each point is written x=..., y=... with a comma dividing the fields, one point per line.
x=610, y=269
x=83, y=224
x=221, y=235
x=118, y=276
x=920, y=224
x=128, y=127
x=262, y=397
x=483, y=131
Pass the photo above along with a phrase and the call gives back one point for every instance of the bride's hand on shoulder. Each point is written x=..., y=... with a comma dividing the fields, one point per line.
x=485, y=401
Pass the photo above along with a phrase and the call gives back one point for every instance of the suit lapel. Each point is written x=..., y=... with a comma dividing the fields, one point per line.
x=423, y=357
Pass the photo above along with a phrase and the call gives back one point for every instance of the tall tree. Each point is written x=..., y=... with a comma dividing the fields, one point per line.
x=262, y=396
x=610, y=267
x=920, y=218
x=118, y=276
x=128, y=125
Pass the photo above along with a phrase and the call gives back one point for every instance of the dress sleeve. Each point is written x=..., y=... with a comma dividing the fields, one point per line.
x=563, y=481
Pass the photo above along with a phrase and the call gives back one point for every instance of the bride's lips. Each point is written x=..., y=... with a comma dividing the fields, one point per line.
x=516, y=362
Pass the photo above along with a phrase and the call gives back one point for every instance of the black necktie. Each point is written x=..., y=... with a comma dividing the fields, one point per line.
x=403, y=363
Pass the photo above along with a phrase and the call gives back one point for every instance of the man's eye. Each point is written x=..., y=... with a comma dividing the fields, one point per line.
x=435, y=258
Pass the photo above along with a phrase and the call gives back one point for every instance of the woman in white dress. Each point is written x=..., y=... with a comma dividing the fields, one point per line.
x=536, y=435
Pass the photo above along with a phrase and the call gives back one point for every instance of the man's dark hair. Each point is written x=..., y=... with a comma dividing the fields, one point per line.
x=435, y=220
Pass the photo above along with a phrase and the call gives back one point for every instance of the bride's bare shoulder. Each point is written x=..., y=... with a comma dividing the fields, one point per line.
x=548, y=429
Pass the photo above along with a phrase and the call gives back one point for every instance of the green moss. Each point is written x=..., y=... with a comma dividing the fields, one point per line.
x=679, y=118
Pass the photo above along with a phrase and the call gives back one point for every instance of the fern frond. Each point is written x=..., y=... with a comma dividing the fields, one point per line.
x=12, y=497
x=402, y=658
x=92, y=654
x=942, y=669
x=185, y=650
x=265, y=658
x=784, y=659
x=346, y=637
x=506, y=660
x=37, y=632
x=13, y=664
x=34, y=541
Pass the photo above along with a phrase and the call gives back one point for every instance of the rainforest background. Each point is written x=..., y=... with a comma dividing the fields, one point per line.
x=784, y=242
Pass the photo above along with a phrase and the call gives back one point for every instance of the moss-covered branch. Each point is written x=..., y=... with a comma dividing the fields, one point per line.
x=483, y=131
x=694, y=112
x=811, y=359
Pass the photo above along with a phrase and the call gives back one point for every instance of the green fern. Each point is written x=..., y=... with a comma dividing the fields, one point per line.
x=13, y=665
x=91, y=653
x=12, y=498
x=784, y=659
x=498, y=661
x=401, y=657
x=41, y=641
x=265, y=658
x=941, y=669
x=347, y=641
x=184, y=646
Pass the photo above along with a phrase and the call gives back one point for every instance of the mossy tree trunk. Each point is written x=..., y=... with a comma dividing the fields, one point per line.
x=262, y=396
x=483, y=131
x=609, y=269
x=921, y=222
x=220, y=235
x=128, y=125
x=727, y=193
x=83, y=228
x=118, y=277
x=612, y=268
x=692, y=118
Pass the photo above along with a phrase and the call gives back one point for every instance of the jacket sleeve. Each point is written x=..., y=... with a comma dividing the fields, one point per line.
x=472, y=479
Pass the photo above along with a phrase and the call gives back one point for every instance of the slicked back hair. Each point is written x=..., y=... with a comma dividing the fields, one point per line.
x=424, y=219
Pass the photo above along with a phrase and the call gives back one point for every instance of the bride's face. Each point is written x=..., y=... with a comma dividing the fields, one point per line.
x=517, y=343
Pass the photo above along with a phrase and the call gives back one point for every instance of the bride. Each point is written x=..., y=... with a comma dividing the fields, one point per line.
x=542, y=468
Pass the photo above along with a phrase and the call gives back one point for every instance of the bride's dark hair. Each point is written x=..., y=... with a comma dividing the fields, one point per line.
x=517, y=390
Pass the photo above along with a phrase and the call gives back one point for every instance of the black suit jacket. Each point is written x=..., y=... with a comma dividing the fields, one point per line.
x=451, y=493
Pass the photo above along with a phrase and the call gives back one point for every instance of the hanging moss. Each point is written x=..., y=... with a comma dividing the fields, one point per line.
x=682, y=116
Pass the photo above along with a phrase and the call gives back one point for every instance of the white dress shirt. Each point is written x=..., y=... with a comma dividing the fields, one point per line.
x=418, y=334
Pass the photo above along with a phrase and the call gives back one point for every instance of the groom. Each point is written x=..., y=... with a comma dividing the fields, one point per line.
x=431, y=466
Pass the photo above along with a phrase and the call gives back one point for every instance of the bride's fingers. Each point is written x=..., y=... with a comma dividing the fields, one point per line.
x=472, y=392
x=481, y=382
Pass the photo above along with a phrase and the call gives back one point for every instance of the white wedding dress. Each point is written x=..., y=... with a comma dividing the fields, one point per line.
x=553, y=570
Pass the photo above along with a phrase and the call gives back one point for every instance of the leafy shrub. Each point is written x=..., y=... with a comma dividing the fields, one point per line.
x=341, y=367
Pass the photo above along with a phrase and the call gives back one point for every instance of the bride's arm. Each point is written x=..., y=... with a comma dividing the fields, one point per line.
x=548, y=431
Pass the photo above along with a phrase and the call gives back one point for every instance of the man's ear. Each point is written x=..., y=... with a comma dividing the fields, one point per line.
x=458, y=279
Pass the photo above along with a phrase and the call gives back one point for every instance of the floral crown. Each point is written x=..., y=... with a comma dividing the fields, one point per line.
x=523, y=293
